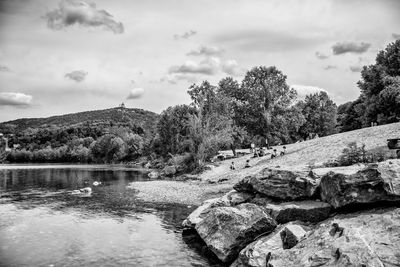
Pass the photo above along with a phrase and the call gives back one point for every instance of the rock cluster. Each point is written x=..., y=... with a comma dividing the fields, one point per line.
x=281, y=217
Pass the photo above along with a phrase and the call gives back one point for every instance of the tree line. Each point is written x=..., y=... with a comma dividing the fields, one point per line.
x=230, y=114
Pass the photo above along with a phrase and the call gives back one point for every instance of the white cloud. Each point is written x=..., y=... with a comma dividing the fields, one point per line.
x=209, y=66
x=185, y=35
x=135, y=93
x=303, y=90
x=15, y=99
x=321, y=56
x=355, y=68
x=206, y=51
x=231, y=67
x=72, y=12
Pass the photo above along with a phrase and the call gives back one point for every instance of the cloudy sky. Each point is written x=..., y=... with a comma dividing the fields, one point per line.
x=66, y=56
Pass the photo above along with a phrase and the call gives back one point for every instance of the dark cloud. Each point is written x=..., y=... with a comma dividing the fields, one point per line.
x=15, y=99
x=12, y=6
x=355, y=68
x=206, y=51
x=320, y=55
x=135, y=93
x=185, y=35
x=77, y=75
x=330, y=67
x=4, y=69
x=396, y=35
x=350, y=47
x=72, y=12
x=208, y=66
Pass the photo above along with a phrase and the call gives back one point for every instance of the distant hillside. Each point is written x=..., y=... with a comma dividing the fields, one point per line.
x=138, y=117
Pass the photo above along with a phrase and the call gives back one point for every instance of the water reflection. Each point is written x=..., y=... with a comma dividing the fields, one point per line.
x=42, y=224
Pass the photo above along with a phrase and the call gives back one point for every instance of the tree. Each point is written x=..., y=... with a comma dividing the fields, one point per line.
x=380, y=87
x=320, y=114
x=261, y=103
x=172, y=129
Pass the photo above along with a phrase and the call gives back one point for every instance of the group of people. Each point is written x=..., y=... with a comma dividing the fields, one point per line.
x=247, y=165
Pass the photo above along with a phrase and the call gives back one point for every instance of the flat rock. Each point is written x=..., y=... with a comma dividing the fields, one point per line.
x=306, y=211
x=281, y=184
x=227, y=230
x=370, y=238
x=375, y=183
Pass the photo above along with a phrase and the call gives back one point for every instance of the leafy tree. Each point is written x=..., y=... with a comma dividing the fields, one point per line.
x=172, y=129
x=261, y=103
x=320, y=114
x=380, y=87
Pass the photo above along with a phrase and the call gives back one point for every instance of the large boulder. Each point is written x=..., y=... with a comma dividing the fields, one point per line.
x=375, y=183
x=306, y=211
x=198, y=214
x=280, y=184
x=226, y=230
x=232, y=198
x=369, y=238
x=255, y=254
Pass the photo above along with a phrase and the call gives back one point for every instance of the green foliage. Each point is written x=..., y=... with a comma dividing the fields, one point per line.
x=173, y=129
x=353, y=154
x=320, y=114
x=379, y=101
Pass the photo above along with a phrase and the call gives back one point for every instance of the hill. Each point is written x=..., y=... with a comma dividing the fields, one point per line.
x=114, y=116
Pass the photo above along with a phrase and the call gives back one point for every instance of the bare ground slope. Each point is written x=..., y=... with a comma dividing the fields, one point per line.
x=300, y=155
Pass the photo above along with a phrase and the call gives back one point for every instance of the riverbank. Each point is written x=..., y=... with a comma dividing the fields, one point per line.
x=220, y=179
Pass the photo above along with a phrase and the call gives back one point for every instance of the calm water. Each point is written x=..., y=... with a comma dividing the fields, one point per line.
x=43, y=224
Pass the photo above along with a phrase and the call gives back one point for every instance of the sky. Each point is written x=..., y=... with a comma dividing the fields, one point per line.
x=59, y=57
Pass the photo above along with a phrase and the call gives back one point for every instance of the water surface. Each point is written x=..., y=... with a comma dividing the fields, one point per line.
x=43, y=224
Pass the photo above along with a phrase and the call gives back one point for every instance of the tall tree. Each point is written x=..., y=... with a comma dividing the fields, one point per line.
x=380, y=87
x=320, y=114
x=262, y=101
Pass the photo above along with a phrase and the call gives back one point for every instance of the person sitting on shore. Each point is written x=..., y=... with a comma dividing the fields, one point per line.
x=232, y=167
x=284, y=151
x=273, y=155
x=247, y=164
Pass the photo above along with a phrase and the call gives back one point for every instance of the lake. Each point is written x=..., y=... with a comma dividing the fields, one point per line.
x=43, y=224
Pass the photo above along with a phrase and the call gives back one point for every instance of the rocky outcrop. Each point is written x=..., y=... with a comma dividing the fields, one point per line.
x=306, y=211
x=364, y=239
x=198, y=214
x=232, y=198
x=280, y=184
x=375, y=183
x=226, y=230
x=256, y=253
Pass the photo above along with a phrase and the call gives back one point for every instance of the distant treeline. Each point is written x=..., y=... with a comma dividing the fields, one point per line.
x=228, y=115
